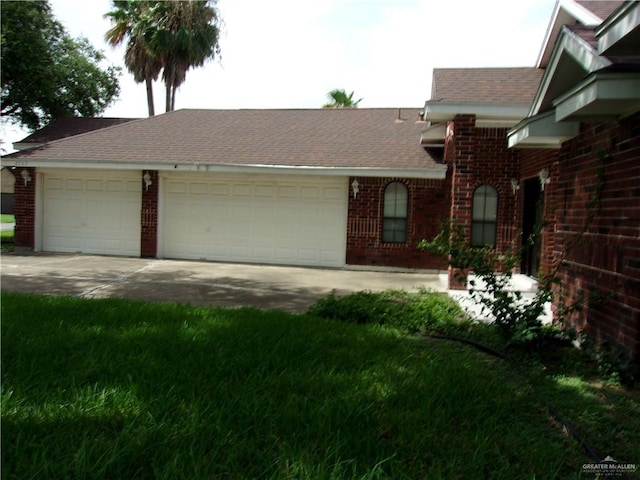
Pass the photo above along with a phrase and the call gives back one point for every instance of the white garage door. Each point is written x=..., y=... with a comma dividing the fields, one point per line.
x=91, y=211
x=288, y=220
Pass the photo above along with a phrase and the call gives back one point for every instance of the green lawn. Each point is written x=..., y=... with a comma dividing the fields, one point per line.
x=107, y=389
x=7, y=236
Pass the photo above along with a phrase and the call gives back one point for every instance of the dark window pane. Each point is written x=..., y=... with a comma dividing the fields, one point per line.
x=394, y=225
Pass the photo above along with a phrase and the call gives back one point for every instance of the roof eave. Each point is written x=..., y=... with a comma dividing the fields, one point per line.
x=541, y=131
x=487, y=114
x=576, y=48
x=623, y=22
x=600, y=96
x=437, y=172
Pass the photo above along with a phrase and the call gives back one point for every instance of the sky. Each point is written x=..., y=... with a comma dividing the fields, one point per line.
x=291, y=53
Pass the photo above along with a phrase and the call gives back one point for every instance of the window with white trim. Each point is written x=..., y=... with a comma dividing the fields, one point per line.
x=394, y=223
x=485, y=216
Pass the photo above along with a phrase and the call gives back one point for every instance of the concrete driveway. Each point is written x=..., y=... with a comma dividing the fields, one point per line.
x=291, y=289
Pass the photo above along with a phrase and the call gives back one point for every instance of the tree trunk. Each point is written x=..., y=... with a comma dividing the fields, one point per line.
x=167, y=107
x=149, y=83
x=173, y=98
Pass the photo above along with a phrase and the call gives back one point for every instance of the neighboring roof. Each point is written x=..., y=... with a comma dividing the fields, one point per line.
x=69, y=126
x=486, y=85
x=192, y=139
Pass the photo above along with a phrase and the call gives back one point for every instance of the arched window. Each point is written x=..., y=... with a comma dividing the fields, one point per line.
x=394, y=224
x=485, y=216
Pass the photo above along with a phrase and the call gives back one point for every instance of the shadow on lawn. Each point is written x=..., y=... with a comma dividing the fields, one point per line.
x=115, y=389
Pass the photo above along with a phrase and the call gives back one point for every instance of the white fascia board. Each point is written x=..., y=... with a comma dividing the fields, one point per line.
x=438, y=111
x=577, y=48
x=565, y=12
x=619, y=25
x=609, y=94
x=438, y=173
x=581, y=14
x=541, y=131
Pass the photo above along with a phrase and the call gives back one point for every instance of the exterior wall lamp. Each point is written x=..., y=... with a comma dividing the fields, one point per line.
x=147, y=180
x=25, y=176
x=515, y=185
x=543, y=175
x=355, y=188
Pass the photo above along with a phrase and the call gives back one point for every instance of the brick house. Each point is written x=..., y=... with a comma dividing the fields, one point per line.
x=571, y=162
x=495, y=149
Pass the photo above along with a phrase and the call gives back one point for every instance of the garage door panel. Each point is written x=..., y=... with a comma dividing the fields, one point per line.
x=292, y=220
x=91, y=211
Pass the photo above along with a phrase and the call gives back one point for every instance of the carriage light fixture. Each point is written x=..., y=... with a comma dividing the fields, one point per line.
x=543, y=175
x=147, y=180
x=355, y=188
x=515, y=185
x=25, y=176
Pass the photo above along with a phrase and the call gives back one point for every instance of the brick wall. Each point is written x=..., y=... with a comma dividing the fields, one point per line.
x=480, y=156
x=25, y=210
x=149, y=216
x=428, y=207
x=601, y=254
x=531, y=162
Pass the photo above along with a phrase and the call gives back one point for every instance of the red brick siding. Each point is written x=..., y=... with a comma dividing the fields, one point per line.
x=25, y=210
x=480, y=156
x=531, y=162
x=149, y=216
x=606, y=259
x=428, y=207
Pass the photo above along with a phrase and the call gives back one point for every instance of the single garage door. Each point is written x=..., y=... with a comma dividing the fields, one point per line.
x=287, y=220
x=91, y=211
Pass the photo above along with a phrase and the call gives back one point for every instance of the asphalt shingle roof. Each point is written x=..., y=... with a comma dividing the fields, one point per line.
x=69, y=126
x=600, y=8
x=369, y=138
x=486, y=85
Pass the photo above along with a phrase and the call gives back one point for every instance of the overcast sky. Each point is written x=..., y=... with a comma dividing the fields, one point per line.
x=290, y=53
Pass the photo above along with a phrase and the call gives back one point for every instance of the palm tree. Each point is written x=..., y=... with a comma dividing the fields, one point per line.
x=340, y=99
x=131, y=19
x=185, y=35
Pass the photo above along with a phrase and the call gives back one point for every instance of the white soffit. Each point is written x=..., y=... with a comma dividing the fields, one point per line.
x=601, y=96
x=496, y=115
x=621, y=24
x=541, y=131
x=569, y=44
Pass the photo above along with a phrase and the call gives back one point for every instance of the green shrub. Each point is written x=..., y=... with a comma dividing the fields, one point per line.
x=419, y=312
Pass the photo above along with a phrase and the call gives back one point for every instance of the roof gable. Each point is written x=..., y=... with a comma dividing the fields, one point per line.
x=589, y=13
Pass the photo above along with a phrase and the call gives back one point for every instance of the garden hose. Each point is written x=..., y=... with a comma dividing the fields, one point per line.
x=590, y=451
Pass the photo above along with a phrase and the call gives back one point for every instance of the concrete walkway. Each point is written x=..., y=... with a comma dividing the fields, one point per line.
x=291, y=289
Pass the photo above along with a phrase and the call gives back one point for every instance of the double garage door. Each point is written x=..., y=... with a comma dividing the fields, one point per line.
x=289, y=220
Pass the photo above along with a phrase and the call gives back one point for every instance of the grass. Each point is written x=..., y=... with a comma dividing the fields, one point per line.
x=108, y=389
x=7, y=236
